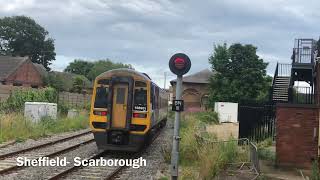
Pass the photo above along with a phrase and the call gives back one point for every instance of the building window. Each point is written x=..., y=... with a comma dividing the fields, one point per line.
x=35, y=86
x=3, y=82
x=17, y=84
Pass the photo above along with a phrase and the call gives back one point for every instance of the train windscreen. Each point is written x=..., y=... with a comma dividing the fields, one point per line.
x=140, y=100
x=101, y=99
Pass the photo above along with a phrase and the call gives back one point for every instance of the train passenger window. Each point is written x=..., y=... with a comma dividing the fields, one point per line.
x=101, y=99
x=140, y=100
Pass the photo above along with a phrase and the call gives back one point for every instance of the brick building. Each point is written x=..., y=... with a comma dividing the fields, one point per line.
x=20, y=71
x=195, y=90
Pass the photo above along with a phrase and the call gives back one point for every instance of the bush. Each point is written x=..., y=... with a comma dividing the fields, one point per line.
x=208, y=117
x=264, y=150
x=315, y=174
x=16, y=100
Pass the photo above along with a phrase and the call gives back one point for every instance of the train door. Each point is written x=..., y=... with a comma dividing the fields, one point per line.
x=119, y=109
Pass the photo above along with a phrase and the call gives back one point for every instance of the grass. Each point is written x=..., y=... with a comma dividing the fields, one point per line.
x=315, y=174
x=200, y=159
x=14, y=126
x=265, y=151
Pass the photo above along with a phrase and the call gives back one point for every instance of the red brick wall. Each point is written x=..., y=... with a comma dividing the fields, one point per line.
x=26, y=74
x=296, y=144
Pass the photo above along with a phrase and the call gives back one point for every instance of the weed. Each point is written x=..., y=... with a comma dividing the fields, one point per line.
x=315, y=174
x=15, y=126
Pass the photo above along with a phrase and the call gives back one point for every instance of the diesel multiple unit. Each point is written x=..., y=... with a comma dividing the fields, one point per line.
x=126, y=109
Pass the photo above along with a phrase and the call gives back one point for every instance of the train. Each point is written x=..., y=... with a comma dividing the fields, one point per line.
x=127, y=109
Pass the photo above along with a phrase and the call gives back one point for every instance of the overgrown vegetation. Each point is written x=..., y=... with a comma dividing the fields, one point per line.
x=16, y=100
x=266, y=151
x=201, y=155
x=14, y=126
x=315, y=174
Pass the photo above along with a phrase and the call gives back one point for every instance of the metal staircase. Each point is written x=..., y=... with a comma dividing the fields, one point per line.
x=281, y=83
x=280, y=89
x=300, y=70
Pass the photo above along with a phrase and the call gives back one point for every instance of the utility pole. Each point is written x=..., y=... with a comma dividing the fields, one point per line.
x=165, y=80
x=179, y=64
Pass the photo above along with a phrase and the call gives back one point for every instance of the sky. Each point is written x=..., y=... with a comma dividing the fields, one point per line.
x=146, y=33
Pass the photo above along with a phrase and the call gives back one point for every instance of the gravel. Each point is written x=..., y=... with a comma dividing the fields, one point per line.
x=156, y=165
x=155, y=169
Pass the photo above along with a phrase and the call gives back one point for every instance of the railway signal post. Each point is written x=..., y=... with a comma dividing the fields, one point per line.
x=179, y=64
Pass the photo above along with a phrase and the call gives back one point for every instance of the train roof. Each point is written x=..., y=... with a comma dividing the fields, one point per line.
x=124, y=70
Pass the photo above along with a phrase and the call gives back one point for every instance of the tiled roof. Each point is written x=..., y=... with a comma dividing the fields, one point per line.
x=201, y=77
x=8, y=64
x=41, y=69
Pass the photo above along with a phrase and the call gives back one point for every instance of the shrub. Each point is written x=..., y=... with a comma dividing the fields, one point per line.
x=315, y=174
x=208, y=117
x=16, y=100
x=265, y=151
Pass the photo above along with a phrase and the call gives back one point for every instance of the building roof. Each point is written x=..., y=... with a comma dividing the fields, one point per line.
x=41, y=69
x=201, y=77
x=8, y=65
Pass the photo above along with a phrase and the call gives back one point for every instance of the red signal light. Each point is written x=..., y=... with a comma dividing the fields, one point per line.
x=179, y=63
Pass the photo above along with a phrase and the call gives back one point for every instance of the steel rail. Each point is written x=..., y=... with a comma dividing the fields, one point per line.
x=2, y=156
x=16, y=167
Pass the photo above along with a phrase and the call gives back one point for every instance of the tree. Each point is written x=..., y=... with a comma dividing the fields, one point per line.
x=80, y=67
x=55, y=81
x=78, y=84
x=239, y=74
x=22, y=36
x=92, y=69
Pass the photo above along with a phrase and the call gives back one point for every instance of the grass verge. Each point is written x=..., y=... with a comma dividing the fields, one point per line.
x=14, y=126
x=200, y=156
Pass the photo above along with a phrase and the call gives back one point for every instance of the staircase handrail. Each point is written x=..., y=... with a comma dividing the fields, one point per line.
x=275, y=75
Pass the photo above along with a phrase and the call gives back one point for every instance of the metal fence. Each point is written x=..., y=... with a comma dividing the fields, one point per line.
x=301, y=95
x=256, y=121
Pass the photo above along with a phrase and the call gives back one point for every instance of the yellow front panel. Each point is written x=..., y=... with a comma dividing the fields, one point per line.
x=119, y=110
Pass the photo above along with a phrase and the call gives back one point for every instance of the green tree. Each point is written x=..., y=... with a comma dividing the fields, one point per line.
x=22, y=36
x=80, y=67
x=103, y=66
x=78, y=84
x=55, y=81
x=239, y=74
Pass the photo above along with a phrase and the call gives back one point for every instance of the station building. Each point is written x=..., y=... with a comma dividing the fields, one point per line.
x=195, y=90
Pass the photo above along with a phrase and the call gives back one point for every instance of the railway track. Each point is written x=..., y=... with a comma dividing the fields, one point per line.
x=50, y=149
x=98, y=172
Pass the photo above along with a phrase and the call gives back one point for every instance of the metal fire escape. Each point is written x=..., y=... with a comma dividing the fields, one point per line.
x=288, y=77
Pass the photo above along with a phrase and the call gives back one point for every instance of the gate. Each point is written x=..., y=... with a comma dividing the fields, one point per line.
x=256, y=121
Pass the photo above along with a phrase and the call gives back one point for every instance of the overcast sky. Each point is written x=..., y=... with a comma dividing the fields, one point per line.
x=146, y=33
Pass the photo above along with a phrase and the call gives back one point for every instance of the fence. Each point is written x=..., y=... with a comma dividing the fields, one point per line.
x=301, y=95
x=256, y=121
x=74, y=99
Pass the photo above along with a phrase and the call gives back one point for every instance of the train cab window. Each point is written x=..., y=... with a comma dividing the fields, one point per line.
x=140, y=100
x=101, y=99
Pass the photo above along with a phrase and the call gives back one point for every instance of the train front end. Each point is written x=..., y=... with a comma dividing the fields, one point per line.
x=120, y=112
